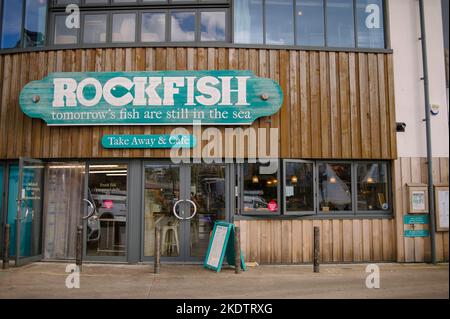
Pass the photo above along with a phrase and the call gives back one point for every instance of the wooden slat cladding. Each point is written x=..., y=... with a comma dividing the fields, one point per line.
x=336, y=104
x=414, y=170
x=291, y=241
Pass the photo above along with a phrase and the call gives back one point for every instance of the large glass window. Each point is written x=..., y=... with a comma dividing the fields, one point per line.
x=35, y=23
x=11, y=24
x=124, y=27
x=310, y=22
x=279, y=22
x=369, y=15
x=183, y=26
x=372, y=186
x=95, y=28
x=153, y=27
x=248, y=21
x=162, y=191
x=299, y=187
x=335, y=187
x=212, y=26
x=340, y=23
x=106, y=230
x=260, y=190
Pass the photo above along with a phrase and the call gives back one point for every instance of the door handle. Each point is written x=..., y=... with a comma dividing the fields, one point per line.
x=175, y=209
x=91, y=207
x=195, y=209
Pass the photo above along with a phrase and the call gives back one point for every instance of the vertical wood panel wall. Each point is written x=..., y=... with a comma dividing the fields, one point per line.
x=341, y=240
x=414, y=170
x=336, y=104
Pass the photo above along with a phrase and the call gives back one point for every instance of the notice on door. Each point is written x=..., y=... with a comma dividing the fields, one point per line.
x=218, y=246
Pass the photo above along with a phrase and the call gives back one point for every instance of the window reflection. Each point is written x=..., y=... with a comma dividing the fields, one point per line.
x=95, y=28
x=124, y=27
x=35, y=22
x=11, y=24
x=299, y=189
x=183, y=26
x=279, y=22
x=335, y=192
x=212, y=26
x=340, y=23
x=369, y=15
x=153, y=27
x=310, y=23
x=372, y=187
x=248, y=21
x=260, y=190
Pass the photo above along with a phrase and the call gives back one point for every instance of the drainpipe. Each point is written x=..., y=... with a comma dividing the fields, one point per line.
x=428, y=132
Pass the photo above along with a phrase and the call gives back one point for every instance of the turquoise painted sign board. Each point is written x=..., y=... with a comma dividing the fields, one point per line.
x=220, y=245
x=148, y=141
x=417, y=233
x=415, y=219
x=226, y=97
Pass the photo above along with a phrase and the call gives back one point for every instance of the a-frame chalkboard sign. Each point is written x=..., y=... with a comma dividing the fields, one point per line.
x=221, y=244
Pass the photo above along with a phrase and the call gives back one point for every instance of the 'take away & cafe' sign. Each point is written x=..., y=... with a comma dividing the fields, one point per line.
x=224, y=97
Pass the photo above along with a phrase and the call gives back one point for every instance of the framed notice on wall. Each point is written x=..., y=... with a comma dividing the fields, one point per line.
x=441, y=207
x=417, y=198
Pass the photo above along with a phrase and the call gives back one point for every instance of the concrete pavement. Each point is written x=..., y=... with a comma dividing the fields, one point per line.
x=48, y=280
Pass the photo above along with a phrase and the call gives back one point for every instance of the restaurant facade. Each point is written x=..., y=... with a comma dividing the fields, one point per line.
x=284, y=116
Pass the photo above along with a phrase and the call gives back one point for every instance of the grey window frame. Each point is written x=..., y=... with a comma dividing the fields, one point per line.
x=315, y=197
x=240, y=182
x=390, y=210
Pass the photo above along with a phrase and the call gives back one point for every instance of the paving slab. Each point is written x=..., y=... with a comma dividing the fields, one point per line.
x=48, y=280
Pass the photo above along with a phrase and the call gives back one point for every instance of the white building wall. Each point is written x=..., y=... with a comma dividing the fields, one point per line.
x=404, y=36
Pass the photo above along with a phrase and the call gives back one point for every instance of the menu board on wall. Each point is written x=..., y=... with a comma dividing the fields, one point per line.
x=442, y=207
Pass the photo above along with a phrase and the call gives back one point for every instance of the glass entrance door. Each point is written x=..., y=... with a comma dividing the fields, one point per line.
x=106, y=223
x=29, y=211
x=185, y=201
x=207, y=186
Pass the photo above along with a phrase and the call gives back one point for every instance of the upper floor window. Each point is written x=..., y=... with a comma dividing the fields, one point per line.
x=155, y=24
x=306, y=23
x=316, y=23
x=23, y=23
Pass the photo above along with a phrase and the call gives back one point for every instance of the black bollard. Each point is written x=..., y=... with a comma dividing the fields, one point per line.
x=6, y=248
x=157, y=249
x=316, y=248
x=79, y=248
x=237, y=250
